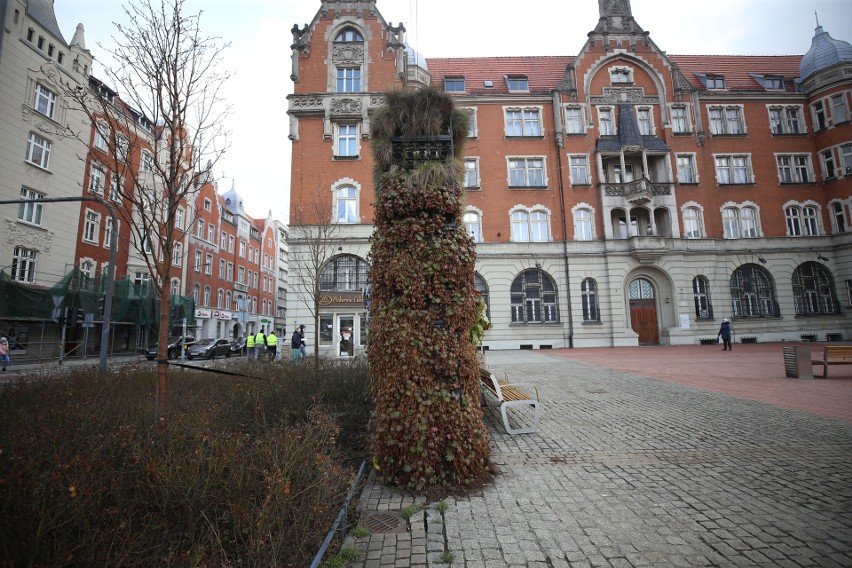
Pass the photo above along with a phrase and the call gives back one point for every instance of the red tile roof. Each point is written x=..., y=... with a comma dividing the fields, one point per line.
x=544, y=73
x=737, y=69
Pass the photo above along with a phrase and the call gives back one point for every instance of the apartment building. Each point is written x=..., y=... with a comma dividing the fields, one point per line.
x=617, y=196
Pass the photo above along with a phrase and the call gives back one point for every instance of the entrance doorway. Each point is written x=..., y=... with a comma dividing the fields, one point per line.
x=643, y=311
x=346, y=335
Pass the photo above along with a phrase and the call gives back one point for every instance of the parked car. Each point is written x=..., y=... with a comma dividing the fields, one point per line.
x=174, y=347
x=238, y=347
x=209, y=349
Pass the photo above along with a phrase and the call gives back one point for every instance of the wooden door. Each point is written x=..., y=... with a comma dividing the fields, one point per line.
x=643, y=318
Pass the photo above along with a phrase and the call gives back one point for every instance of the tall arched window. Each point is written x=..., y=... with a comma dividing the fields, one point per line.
x=533, y=296
x=473, y=225
x=481, y=286
x=813, y=290
x=196, y=294
x=589, y=289
x=753, y=293
x=692, y=223
x=345, y=273
x=346, y=204
x=206, y=296
x=701, y=296
x=220, y=299
x=582, y=225
x=349, y=34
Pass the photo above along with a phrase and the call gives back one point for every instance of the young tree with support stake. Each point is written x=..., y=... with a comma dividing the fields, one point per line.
x=161, y=136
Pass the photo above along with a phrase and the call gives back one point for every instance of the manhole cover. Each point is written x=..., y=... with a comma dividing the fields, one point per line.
x=378, y=522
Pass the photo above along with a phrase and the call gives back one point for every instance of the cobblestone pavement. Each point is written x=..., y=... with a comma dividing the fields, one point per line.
x=630, y=471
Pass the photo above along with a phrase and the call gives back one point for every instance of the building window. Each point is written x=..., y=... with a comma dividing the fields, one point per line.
x=346, y=204
x=87, y=267
x=802, y=221
x=206, y=296
x=533, y=297
x=838, y=217
x=179, y=218
x=122, y=147
x=230, y=243
x=220, y=298
x=471, y=123
x=733, y=170
x=347, y=140
x=199, y=229
x=91, y=226
x=620, y=75
x=582, y=225
x=773, y=83
x=146, y=162
x=846, y=158
x=101, y=136
x=473, y=225
x=740, y=222
x=196, y=294
x=454, y=84
x=229, y=276
x=529, y=226
x=116, y=187
x=574, y=120
x=110, y=232
x=349, y=35
x=579, y=170
x=348, y=80
x=177, y=251
x=523, y=122
x=589, y=291
x=839, y=112
x=726, y=120
x=23, y=264
x=692, y=226
x=819, y=115
x=38, y=150
x=526, y=172
x=471, y=173
x=481, y=286
x=794, y=168
x=686, y=168
x=30, y=212
x=785, y=120
x=701, y=297
x=208, y=265
x=680, y=120
x=208, y=205
x=198, y=256
x=607, y=125
x=345, y=273
x=222, y=269
x=44, y=101
x=716, y=82
x=813, y=291
x=828, y=167
x=211, y=233
x=753, y=293
x=242, y=252
x=646, y=121
x=518, y=84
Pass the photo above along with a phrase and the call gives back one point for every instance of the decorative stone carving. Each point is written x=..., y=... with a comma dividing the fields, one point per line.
x=30, y=237
x=345, y=106
x=629, y=95
x=301, y=38
x=348, y=54
x=614, y=7
x=306, y=102
x=396, y=36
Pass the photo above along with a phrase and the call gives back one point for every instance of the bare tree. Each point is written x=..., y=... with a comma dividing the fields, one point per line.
x=314, y=239
x=162, y=136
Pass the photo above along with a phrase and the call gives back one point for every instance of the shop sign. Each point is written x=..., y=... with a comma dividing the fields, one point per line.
x=212, y=314
x=341, y=299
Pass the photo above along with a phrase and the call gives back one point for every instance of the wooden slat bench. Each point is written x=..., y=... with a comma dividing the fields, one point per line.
x=834, y=355
x=511, y=395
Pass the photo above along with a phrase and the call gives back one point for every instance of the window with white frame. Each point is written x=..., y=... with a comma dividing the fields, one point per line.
x=838, y=217
x=179, y=218
x=794, y=168
x=346, y=145
x=38, y=150
x=686, y=170
x=110, y=232
x=175, y=286
x=526, y=172
x=472, y=129
x=115, y=187
x=680, y=120
x=740, y=222
x=726, y=120
x=229, y=276
x=701, y=297
x=820, y=120
x=606, y=121
x=196, y=294
x=574, y=123
x=199, y=228
x=646, y=121
x=839, y=110
x=620, y=75
x=733, y=170
x=44, y=100
x=242, y=251
x=206, y=301
x=208, y=264
x=23, y=264
x=802, y=221
x=177, y=252
x=220, y=298
x=348, y=79
x=846, y=159
x=579, y=170
x=91, y=226
x=692, y=225
x=122, y=147
x=101, y=136
x=523, y=122
x=529, y=226
x=208, y=205
x=533, y=296
x=97, y=179
x=785, y=120
x=198, y=255
x=211, y=233
x=518, y=84
x=582, y=224
x=87, y=267
x=146, y=162
x=346, y=204
x=30, y=212
x=589, y=294
x=829, y=170
x=471, y=173
x=230, y=243
x=473, y=223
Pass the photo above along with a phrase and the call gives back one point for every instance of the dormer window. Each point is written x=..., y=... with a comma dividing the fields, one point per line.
x=773, y=83
x=454, y=84
x=519, y=84
x=349, y=35
x=716, y=82
x=621, y=75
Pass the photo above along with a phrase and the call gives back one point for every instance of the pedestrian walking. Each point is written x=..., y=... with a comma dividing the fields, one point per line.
x=260, y=343
x=250, y=345
x=271, y=345
x=725, y=333
x=4, y=352
x=297, y=344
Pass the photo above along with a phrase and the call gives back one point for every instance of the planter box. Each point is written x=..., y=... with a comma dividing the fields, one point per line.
x=707, y=341
x=748, y=339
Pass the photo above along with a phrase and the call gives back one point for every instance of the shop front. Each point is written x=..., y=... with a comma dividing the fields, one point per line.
x=342, y=324
x=213, y=323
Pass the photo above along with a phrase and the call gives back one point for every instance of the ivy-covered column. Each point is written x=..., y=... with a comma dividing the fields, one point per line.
x=427, y=428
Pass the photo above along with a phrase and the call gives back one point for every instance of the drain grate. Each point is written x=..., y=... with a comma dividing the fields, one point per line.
x=379, y=522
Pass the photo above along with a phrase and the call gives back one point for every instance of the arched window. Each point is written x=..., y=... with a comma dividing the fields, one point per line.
x=345, y=273
x=582, y=225
x=701, y=296
x=641, y=289
x=206, y=296
x=529, y=226
x=753, y=293
x=533, y=296
x=589, y=289
x=813, y=291
x=220, y=299
x=349, y=34
x=740, y=222
x=228, y=304
x=481, y=286
x=692, y=223
x=838, y=217
x=196, y=294
x=473, y=225
x=346, y=204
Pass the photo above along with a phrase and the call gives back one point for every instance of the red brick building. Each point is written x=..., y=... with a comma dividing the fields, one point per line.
x=618, y=196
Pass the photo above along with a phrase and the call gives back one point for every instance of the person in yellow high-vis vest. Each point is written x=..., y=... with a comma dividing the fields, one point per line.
x=260, y=343
x=271, y=345
x=250, y=345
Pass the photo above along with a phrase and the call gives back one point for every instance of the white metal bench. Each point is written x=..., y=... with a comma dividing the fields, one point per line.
x=511, y=395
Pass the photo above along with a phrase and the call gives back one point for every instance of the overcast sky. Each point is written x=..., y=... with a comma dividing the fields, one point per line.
x=258, y=163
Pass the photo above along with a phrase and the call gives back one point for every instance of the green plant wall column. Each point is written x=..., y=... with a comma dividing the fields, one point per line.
x=427, y=428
